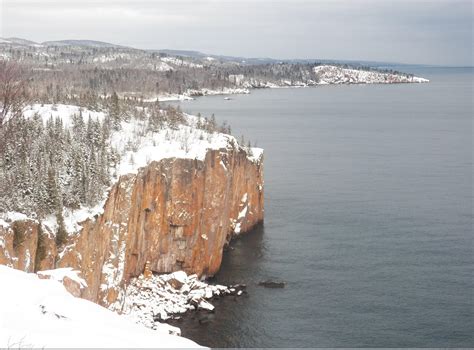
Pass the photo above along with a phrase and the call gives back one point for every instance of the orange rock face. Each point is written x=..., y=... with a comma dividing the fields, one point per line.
x=19, y=246
x=176, y=213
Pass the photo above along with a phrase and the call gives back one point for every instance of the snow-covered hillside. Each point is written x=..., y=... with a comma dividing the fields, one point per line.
x=40, y=313
x=339, y=75
x=181, y=61
x=138, y=146
x=325, y=75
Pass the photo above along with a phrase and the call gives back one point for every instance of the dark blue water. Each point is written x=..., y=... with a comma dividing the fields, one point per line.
x=368, y=218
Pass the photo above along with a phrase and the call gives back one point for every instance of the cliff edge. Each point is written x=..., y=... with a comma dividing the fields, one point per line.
x=175, y=213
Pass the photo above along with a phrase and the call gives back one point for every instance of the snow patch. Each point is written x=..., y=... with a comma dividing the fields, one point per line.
x=170, y=97
x=186, y=142
x=12, y=216
x=237, y=228
x=60, y=274
x=73, y=218
x=61, y=111
x=255, y=155
x=191, y=94
x=243, y=213
x=181, y=62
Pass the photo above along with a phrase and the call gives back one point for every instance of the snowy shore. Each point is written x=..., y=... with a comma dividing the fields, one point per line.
x=149, y=301
x=325, y=75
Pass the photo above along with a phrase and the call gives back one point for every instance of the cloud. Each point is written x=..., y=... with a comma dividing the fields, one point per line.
x=415, y=31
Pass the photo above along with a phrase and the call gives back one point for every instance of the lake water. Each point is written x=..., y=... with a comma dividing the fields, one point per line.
x=368, y=218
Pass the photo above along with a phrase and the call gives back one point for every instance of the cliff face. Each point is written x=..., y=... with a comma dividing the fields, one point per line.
x=19, y=244
x=175, y=213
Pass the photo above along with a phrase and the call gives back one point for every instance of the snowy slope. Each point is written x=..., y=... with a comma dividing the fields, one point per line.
x=181, y=62
x=185, y=142
x=337, y=75
x=65, y=112
x=137, y=147
x=41, y=313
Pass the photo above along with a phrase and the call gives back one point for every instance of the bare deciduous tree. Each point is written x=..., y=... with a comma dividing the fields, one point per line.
x=13, y=86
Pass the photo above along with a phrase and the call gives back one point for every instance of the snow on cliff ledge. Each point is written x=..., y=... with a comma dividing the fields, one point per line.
x=338, y=75
x=137, y=148
x=38, y=313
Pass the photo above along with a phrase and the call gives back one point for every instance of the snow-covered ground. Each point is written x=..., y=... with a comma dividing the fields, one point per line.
x=72, y=218
x=112, y=57
x=177, y=61
x=138, y=148
x=64, y=112
x=40, y=313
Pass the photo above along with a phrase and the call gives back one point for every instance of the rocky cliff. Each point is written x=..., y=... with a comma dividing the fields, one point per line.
x=177, y=214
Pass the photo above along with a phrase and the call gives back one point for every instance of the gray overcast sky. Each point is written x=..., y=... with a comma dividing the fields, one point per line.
x=407, y=31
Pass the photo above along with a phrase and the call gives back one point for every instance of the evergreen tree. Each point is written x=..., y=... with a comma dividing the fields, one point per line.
x=114, y=111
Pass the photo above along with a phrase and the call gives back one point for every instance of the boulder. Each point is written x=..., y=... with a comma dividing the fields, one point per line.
x=70, y=279
x=177, y=279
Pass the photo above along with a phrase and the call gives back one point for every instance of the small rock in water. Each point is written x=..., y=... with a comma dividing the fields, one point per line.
x=272, y=284
x=204, y=320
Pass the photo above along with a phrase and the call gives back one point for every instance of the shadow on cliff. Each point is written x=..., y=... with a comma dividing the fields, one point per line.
x=245, y=253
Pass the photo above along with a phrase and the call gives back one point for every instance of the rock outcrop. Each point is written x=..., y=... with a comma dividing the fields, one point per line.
x=176, y=214
x=158, y=298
